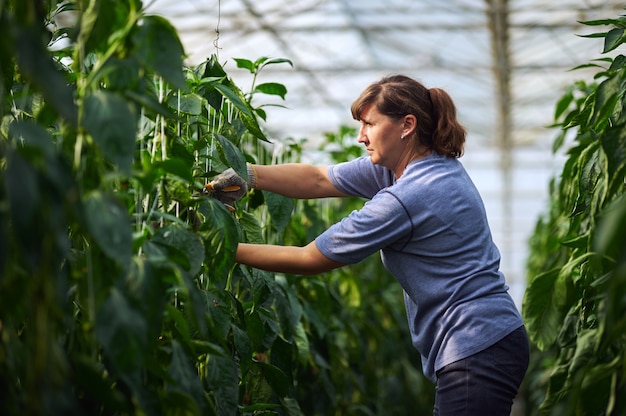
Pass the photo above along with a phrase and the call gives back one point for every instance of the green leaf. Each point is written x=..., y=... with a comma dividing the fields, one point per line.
x=283, y=357
x=180, y=323
x=607, y=96
x=280, y=209
x=112, y=122
x=246, y=113
x=261, y=113
x=243, y=347
x=102, y=26
x=271, y=327
x=614, y=38
x=542, y=308
x=291, y=406
x=165, y=254
x=218, y=312
x=302, y=342
x=571, y=271
x=145, y=288
x=220, y=235
x=176, y=167
x=614, y=146
x=610, y=235
x=593, y=35
x=178, y=403
x=255, y=329
x=598, y=395
x=185, y=376
x=559, y=141
x=246, y=64
x=149, y=103
x=212, y=68
x=563, y=104
x=263, y=285
x=579, y=241
x=232, y=156
x=122, y=332
x=593, y=181
x=255, y=408
x=556, y=386
x=208, y=347
x=586, y=343
x=89, y=380
x=252, y=228
x=25, y=199
x=264, y=61
x=275, y=377
x=288, y=307
x=272, y=88
x=184, y=242
x=31, y=134
x=235, y=96
x=601, y=22
x=37, y=65
x=223, y=380
x=159, y=48
x=187, y=103
x=618, y=63
x=109, y=224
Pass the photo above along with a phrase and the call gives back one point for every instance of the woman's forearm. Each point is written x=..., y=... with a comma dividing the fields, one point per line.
x=306, y=260
x=296, y=180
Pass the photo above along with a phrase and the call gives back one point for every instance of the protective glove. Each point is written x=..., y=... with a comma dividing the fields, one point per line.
x=227, y=187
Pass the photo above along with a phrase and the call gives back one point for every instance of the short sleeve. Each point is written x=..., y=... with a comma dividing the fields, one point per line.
x=360, y=177
x=382, y=222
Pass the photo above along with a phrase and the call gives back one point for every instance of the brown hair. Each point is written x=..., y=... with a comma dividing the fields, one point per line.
x=398, y=95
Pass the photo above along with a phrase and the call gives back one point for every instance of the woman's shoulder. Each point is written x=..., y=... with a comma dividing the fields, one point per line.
x=435, y=177
x=360, y=177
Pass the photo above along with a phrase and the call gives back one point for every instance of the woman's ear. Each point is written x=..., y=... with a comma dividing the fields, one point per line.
x=409, y=125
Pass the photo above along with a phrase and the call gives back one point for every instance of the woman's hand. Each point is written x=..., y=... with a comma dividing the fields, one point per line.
x=227, y=187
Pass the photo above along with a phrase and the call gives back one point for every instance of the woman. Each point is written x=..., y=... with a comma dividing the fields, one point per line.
x=428, y=220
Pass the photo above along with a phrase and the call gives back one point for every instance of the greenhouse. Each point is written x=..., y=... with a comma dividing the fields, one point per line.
x=122, y=284
x=505, y=63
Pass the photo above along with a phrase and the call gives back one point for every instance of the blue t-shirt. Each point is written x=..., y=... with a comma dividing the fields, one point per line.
x=431, y=228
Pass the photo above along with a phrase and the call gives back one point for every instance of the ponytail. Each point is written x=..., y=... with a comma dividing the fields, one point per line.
x=448, y=136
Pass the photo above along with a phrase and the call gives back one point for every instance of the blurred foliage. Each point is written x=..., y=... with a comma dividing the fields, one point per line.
x=575, y=303
x=119, y=292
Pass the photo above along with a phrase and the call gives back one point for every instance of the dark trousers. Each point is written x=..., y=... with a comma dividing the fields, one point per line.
x=485, y=383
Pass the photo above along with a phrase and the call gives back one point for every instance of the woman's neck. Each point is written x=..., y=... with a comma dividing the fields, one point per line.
x=416, y=153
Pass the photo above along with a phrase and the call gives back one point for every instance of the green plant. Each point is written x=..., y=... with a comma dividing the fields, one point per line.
x=574, y=305
x=118, y=290
x=118, y=295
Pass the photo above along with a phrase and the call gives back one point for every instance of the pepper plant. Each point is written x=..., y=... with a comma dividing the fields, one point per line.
x=575, y=305
x=118, y=288
x=118, y=295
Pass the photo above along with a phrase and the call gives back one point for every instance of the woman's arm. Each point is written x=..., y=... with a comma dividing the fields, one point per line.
x=296, y=180
x=305, y=260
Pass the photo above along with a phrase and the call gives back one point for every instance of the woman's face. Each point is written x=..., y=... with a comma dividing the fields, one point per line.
x=381, y=136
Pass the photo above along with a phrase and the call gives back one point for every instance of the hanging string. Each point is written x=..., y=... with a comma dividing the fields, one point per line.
x=217, y=29
x=138, y=196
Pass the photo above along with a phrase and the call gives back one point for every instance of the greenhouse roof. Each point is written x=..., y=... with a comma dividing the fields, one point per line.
x=481, y=52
